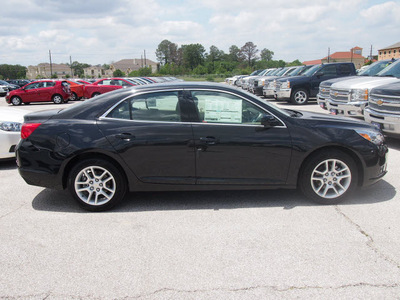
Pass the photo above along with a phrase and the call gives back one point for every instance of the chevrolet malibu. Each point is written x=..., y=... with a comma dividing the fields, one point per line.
x=195, y=136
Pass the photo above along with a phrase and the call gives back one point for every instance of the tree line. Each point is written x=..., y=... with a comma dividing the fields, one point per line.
x=193, y=59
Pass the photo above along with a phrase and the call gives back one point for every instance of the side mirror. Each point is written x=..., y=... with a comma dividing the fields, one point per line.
x=269, y=121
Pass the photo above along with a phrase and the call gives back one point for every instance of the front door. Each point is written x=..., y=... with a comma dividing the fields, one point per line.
x=232, y=147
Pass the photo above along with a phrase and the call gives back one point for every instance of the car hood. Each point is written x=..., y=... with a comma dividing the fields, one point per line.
x=11, y=114
x=364, y=82
x=392, y=89
x=329, y=82
x=321, y=119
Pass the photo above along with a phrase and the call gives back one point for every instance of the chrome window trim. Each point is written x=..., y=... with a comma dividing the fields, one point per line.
x=104, y=115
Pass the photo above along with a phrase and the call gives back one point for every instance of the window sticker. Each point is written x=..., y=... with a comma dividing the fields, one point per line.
x=220, y=110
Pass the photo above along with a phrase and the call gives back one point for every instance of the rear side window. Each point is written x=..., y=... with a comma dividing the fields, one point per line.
x=345, y=69
x=161, y=107
x=329, y=70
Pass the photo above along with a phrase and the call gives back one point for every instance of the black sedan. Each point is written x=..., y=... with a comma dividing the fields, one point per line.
x=195, y=136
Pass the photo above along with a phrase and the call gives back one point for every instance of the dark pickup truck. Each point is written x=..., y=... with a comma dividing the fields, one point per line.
x=299, y=89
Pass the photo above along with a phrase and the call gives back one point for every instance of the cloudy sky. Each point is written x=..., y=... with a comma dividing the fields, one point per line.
x=101, y=31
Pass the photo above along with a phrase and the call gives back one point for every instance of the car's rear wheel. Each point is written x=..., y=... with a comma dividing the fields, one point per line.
x=57, y=99
x=74, y=97
x=299, y=97
x=328, y=177
x=16, y=101
x=97, y=184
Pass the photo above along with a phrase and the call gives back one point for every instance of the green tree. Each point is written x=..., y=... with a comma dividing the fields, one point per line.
x=118, y=73
x=166, y=52
x=266, y=54
x=234, y=53
x=78, y=67
x=193, y=55
x=249, y=52
x=12, y=71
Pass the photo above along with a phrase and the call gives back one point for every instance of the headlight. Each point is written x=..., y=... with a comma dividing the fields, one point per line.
x=373, y=136
x=285, y=85
x=359, y=95
x=10, y=126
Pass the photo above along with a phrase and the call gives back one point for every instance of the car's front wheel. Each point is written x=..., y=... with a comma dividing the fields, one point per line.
x=97, y=184
x=16, y=101
x=299, y=97
x=328, y=177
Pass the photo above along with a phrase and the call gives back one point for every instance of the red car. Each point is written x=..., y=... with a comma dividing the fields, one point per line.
x=57, y=91
x=77, y=90
x=106, y=85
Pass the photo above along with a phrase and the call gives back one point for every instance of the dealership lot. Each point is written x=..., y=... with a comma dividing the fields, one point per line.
x=200, y=245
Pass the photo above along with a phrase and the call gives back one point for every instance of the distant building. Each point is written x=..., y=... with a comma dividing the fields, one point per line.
x=43, y=70
x=97, y=72
x=389, y=52
x=354, y=56
x=129, y=65
x=312, y=62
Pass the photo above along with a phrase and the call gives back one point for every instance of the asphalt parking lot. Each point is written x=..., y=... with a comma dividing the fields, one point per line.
x=200, y=245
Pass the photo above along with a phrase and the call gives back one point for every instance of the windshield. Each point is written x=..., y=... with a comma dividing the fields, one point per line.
x=312, y=70
x=393, y=70
x=375, y=68
x=256, y=72
x=295, y=71
x=275, y=72
x=281, y=72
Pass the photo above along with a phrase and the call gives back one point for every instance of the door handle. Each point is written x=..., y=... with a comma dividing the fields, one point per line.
x=209, y=140
x=125, y=136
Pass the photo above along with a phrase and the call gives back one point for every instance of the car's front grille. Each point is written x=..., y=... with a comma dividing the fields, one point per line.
x=339, y=95
x=324, y=91
x=384, y=104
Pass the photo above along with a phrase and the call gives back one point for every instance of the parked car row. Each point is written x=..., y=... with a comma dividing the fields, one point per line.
x=374, y=96
x=61, y=91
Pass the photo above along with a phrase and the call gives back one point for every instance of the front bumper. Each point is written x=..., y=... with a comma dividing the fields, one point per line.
x=321, y=101
x=349, y=109
x=283, y=94
x=269, y=93
x=388, y=123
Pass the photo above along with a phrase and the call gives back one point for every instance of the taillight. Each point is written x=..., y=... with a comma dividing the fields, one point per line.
x=28, y=128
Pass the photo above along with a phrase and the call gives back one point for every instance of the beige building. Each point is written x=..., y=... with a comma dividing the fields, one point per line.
x=129, y=65
x=354, y=56
x=43, y=70
x=97, y=72
x=389, y=52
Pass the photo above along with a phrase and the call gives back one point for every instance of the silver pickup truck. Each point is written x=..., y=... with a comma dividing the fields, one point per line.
x=371, y=70
x=383, y=108
x=350, y=97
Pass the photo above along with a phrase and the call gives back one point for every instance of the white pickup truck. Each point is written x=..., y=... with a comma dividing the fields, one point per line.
x=350, y=97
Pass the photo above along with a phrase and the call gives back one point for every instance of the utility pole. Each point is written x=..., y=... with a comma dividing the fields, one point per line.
x=70, y=64
x=145, y=62
x=329, y=53
x=51, y=66
x=370, y=54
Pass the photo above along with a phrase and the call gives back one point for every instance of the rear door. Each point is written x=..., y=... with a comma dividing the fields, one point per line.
x=151, y=134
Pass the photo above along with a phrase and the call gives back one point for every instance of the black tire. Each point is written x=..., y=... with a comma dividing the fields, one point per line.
x=96, y=184
x=16, y=101
x=57, y=99
x=74, y=97
x=300, y=97
x=328, y=177
x=95, y=94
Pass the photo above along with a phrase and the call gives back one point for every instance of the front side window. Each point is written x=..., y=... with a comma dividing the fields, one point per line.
x=329, y=70
x=219, y=107
x=32, y=86
x=161, y=106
